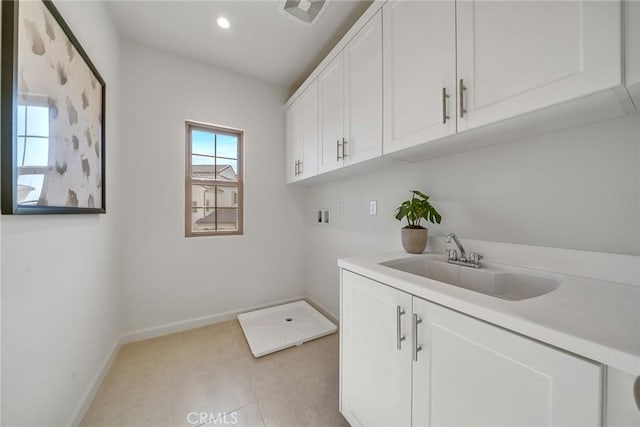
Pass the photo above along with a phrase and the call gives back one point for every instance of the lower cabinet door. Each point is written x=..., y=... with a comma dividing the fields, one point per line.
x=469, y=372
x=375, y=364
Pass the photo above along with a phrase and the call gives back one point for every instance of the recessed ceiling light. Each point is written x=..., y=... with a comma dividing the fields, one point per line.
x=223, y=22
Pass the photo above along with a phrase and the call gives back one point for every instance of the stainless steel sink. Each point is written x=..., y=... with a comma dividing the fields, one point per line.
x=508, y=284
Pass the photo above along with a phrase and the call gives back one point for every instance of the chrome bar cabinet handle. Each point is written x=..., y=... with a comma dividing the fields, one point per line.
x=338, y=150
x=445, y=116
x=462, y=89
x=399, y=336
x=416, y=347
x=344, y=144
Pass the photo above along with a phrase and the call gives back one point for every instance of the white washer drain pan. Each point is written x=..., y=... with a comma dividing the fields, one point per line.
x=276, y=328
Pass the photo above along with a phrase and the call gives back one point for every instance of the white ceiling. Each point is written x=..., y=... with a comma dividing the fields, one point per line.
x=262, y=42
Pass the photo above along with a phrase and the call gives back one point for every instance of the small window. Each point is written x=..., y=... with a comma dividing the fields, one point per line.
x=213, y=181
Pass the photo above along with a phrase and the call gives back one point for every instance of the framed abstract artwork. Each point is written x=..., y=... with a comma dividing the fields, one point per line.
x=52, y=116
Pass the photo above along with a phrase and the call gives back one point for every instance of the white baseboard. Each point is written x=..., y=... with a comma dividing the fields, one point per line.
x=90, y=394
x=322, y=309
x=169, y=328
x=184, y=325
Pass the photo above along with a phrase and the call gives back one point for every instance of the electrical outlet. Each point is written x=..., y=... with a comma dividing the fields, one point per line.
x=373, y=207
x=325, y=216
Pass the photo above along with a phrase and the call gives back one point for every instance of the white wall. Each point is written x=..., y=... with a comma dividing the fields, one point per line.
x=171, y=278
x=60, y=275
x=577, y=189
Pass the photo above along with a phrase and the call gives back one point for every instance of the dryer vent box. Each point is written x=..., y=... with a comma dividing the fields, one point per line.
x=307, y=11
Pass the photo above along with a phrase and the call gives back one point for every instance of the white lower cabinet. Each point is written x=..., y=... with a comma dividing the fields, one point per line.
x=375, y=367
x=472, y=373
x=623, y=399
x=452, y=369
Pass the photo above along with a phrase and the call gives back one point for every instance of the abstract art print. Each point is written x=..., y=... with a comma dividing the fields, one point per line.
x=53, y=102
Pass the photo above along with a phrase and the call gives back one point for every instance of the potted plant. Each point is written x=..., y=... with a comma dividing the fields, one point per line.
x=414, y=236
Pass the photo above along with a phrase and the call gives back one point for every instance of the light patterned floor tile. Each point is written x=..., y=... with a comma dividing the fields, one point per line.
x=201, y=374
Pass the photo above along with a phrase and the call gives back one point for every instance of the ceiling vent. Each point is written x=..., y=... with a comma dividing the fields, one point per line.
x=307, y=11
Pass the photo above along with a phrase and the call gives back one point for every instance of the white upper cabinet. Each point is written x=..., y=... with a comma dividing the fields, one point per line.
x=331, y=92
x=514, y=57
x=351, y=101
x=411, y=72
x=292, y=119
x=419, y=72
x=309, y=130
x=363, y=93
x=302, y=135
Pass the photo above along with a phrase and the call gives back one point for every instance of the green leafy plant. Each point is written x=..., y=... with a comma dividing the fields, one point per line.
x=417, y=209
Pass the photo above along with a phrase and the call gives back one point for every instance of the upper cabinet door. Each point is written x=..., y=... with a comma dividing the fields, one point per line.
x=519, y=56
x=363, y=93
x=331, y=93
x=419, y=72
x=309, y=132
x=292, y=119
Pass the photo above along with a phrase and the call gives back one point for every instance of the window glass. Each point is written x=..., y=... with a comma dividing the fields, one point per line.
x=203, y=142
x=214, y=168
x=226, y=170
x=227, y=146
x=202, y=160
x=227, y=211
x=202, y=222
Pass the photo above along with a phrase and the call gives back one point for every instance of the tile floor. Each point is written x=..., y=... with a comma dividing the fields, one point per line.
x=158, y=382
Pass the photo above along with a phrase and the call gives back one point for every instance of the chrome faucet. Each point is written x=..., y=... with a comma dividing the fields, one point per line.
x=453, y=258
x=463, y=253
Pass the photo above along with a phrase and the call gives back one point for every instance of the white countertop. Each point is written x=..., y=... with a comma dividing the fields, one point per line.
x=596, y=319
